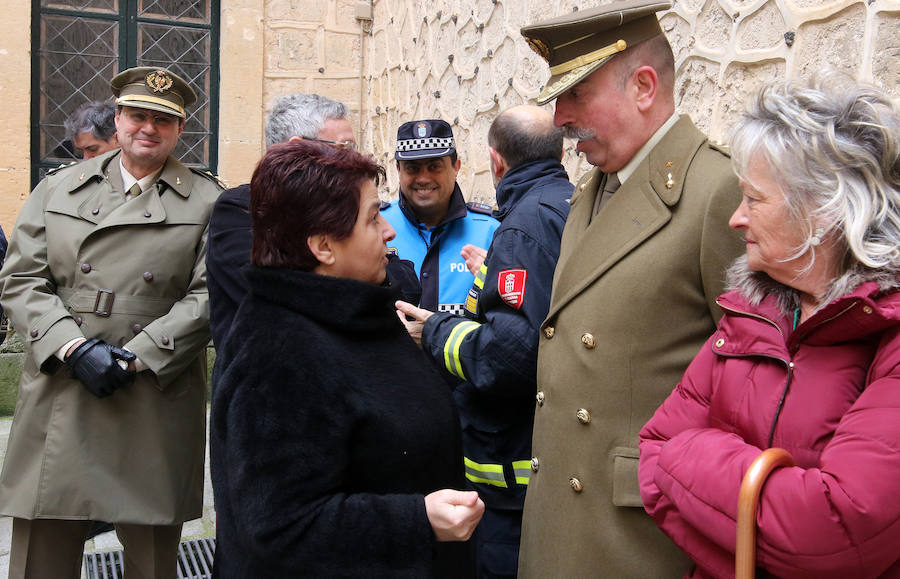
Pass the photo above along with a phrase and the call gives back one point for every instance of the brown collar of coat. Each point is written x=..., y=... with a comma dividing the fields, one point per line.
x=638, y=210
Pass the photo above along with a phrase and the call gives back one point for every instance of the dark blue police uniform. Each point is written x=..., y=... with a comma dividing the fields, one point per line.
x=493, y=348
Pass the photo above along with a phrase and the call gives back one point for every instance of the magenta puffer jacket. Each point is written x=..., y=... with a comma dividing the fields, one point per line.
x=828, y=392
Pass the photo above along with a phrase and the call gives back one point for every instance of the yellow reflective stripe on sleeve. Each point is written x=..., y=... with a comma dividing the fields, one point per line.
x=479, y=279
x=451, y=347
x=522, y=470
x=489, y=474
x=471, y=304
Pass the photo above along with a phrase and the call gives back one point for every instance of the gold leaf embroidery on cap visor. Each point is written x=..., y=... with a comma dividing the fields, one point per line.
x=540, y=47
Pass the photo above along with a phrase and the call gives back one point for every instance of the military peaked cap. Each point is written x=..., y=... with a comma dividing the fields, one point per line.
x=577, y=44
x=153, y=88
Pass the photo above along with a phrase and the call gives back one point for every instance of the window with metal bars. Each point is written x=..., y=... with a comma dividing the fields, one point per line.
x=79, y=45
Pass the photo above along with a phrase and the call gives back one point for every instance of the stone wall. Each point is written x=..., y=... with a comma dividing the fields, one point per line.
x=313, y=46
x=15, y=92
x=464, y=61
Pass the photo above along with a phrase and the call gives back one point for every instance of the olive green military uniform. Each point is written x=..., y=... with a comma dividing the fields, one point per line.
x=84, y=262
x=633, y=300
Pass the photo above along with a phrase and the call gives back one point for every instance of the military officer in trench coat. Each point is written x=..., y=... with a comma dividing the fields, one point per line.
x=108, y=291
x=633, y=294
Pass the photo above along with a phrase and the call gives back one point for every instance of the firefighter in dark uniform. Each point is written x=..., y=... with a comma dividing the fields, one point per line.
x=492, y=349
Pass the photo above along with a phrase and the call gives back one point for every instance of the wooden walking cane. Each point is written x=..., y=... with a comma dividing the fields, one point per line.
x=748, y=500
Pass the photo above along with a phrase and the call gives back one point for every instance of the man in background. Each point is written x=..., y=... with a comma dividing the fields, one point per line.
x=643, y=257
x=294, y=116
x=431, y=217
x=493, y=348
x=92, y=129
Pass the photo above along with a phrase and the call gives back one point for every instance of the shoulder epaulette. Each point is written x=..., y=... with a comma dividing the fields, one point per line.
x=720, y=146
x=384, y=205
x=63, y=166
x=482, y=208
x=209, y=177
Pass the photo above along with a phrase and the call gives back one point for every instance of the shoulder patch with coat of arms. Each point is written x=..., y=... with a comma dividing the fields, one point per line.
x=511, y=286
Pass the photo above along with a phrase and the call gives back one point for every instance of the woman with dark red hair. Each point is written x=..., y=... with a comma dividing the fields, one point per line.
x=334, y=444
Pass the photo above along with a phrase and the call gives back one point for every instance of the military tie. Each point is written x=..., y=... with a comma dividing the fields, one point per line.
x=609, y=187
x=133, y=192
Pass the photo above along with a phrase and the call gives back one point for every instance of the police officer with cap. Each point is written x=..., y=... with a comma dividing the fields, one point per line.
x=105, y=279
x=431, y=218
x=642, y=261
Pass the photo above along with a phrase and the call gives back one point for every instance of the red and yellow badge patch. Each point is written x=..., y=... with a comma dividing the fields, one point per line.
x=511, y=285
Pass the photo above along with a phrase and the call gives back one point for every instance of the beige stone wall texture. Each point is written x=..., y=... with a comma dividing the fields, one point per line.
x=15, y=93
x=313, y=46
x=465, y=61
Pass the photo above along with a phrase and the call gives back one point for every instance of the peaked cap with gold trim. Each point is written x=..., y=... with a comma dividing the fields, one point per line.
x=157, y=89
x=577, y=44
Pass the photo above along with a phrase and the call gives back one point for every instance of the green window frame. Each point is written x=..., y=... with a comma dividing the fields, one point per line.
x=79, y=45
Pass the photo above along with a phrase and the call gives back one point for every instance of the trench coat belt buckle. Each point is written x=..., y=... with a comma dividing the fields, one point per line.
x=104, y=302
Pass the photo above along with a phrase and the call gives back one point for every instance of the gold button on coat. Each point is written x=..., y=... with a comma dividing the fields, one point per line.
x=588, y=340
x=583, y=416
x=720, y=342
x=535, y=464
x=867, y=309
x=540, y=397
x=548, y=332
x=576, y=484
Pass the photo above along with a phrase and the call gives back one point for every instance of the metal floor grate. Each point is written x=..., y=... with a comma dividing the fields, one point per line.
x=195, y=561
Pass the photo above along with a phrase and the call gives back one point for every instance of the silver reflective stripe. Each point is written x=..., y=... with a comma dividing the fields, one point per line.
x=491, y=474
x=522, y=471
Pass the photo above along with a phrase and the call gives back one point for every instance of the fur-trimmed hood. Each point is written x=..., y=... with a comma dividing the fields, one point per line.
x=756, y=285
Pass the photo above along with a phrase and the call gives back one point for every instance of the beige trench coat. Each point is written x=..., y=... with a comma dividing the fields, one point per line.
x=633, y=300
x=136, y=456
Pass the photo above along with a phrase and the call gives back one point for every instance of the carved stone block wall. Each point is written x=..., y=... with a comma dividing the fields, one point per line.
x=313, y=46
x=465, y=61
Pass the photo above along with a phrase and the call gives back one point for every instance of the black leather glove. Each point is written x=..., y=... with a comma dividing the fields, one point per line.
x=401, y=273
x=95, y=364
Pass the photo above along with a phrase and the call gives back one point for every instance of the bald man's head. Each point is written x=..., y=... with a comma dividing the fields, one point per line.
x=525, y=133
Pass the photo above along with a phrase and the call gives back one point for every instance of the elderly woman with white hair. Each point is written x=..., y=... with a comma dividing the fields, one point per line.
x=807, y=354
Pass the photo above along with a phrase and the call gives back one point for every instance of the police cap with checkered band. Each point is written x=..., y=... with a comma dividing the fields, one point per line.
x=425, y=139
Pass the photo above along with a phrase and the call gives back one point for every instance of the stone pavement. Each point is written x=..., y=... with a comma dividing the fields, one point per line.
x=198, y=528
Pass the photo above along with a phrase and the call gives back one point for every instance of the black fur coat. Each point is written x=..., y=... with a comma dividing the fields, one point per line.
x=328, y=428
